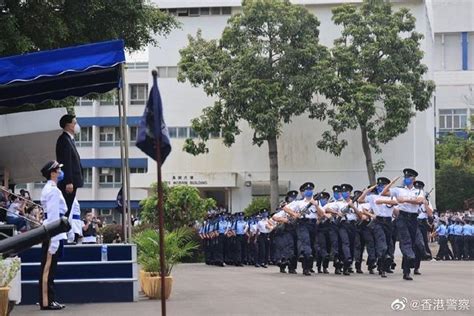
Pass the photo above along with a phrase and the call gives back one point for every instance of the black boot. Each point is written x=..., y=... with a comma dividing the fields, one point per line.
x=292, y=271
x=325, y=271
x=371, y=271
x=406, y=276
x=282, y=268
x=337, y=271
x=358, y=267
x=382, y=274
x=417, y=272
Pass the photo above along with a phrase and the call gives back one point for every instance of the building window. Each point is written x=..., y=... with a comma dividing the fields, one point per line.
x=105, y=212
x=195, y=12
x=452, y=51
x=109, y=136
x=84, y=138
x=138, y=94
x=138, y=170
x=87, y=173
x=137, y=65
x=167, y=71
x=226, y=10
x=108, y=99
x=470, y=50
x=40, y=185
x=450, y=120
x=84, y=102
x=110, y=177
x=173, y=132
x=183, y=132
x=192, y=133
x=133, y=134
x=215, y=134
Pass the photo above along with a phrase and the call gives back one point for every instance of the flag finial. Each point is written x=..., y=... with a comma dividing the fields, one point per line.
x=154, y=73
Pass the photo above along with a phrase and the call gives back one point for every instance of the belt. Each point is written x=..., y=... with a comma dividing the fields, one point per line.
x=46, y=215
x=407, y=214
x=384, y=218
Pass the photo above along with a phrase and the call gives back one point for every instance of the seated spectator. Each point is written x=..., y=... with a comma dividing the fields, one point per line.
x=33, y=213
x=15, y=209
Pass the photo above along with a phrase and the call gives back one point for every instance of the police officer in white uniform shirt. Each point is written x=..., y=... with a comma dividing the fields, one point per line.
x=54, y=207
x=409, y=198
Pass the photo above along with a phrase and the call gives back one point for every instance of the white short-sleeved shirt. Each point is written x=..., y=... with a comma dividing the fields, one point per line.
x=262, y=226
x=281, y=214
x=422, y=214
x=253, y=228
x=299, y=205
x=379, y=209
x=406, y=192
x=54, y=206
x=349, y=212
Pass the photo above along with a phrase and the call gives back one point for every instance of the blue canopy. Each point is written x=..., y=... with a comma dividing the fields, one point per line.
x=56, y=74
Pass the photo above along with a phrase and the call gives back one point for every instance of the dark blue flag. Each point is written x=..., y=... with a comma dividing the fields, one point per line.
x=120, y=200
x=152, y=126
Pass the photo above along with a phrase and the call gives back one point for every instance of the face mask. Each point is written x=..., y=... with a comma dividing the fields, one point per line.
x=407, y=181
x=380, y=188
x=265, y=215
x=345, y=195
x=308, y=193
x=77, y=128
x=323, y=202
x=60, y=176
x=337, y=195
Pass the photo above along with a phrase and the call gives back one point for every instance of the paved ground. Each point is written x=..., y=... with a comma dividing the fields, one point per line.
x=204, y=290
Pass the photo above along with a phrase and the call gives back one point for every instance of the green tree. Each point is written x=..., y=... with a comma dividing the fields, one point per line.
x=34, y=25
x=256, y=205
x=454, y=171
x=377, y=83
x=182, y=206
x=263, y=71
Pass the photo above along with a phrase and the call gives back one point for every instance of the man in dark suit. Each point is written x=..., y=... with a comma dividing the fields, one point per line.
x=66, y=154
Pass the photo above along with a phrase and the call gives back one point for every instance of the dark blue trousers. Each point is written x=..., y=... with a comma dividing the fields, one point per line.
x=407, y=226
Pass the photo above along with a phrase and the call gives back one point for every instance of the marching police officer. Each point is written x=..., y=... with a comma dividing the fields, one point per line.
x=408, y=198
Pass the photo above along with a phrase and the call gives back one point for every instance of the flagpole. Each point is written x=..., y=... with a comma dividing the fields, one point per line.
x=159, y=206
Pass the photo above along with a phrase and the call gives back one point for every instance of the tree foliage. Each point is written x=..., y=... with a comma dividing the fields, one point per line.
x=256, y=205
x=377, y=83
x=454, y=171
x=263, y=70
x=182, y=206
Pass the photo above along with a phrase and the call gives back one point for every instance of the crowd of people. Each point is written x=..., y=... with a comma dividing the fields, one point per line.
x=316, y=229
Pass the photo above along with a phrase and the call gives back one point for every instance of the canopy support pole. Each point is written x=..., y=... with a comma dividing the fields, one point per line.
x=122, y=159
x=127, y=165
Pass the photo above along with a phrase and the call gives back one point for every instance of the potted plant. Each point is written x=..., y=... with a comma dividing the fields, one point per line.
x=178, y=244
x=8, y=270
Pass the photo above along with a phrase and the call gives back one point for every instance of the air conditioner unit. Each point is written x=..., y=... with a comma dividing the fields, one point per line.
x=106, y=171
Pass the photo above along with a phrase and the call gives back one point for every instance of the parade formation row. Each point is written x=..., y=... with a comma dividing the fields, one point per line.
x=317, y=228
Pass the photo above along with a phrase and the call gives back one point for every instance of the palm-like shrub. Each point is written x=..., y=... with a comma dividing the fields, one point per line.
x=178, y=244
